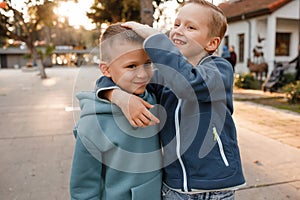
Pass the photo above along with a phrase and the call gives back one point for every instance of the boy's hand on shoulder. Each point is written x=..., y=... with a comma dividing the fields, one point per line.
x=142, y=29
x=139, y=114
x=135, y=109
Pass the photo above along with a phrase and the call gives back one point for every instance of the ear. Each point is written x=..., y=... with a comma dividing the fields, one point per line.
x=104, y=69
x=213, y=44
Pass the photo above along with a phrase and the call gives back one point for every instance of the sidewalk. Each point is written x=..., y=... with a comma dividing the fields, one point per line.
x=270, y=152
x=37, y=117
x=284, y=124
x=270, y=148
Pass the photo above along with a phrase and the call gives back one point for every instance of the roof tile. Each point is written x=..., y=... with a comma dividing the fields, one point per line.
x=242, y=9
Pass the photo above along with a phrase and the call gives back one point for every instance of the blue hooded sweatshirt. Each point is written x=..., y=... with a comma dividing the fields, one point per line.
x=112, y=159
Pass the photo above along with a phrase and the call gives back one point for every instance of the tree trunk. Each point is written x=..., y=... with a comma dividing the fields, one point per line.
x=38, y=61
x=146, y=12
x=41, y=68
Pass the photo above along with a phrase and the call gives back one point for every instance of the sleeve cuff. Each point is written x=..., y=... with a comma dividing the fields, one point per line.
x=99, y=93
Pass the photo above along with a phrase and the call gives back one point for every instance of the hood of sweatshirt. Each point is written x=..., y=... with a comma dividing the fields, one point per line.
x=104, y=130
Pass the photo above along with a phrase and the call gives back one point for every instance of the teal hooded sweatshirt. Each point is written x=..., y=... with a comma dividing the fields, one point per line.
x=113, y=160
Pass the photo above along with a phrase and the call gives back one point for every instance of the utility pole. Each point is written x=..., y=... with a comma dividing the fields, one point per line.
x=146, y=12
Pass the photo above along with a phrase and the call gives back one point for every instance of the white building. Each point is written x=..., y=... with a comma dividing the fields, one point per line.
x=272, y=25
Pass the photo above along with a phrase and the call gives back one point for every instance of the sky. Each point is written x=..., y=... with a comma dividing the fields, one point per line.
x=76, y=13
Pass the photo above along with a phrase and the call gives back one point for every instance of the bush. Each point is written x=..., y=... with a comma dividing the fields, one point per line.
x=286, y=79
x=246, y=81
x=292, y=92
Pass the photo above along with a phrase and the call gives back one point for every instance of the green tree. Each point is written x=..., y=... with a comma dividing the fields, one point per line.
x=27, y=23
x=111, y=11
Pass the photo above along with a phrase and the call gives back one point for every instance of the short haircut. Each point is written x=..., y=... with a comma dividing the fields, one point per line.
x=217, y=23
x=116, y=33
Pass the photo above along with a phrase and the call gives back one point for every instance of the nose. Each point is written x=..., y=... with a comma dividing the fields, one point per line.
x=142, y=72
x=178, y=30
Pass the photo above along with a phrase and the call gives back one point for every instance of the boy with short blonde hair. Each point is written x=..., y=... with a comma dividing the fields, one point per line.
x=112, y=159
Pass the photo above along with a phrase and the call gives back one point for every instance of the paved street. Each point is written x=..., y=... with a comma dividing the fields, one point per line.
x=36, y=141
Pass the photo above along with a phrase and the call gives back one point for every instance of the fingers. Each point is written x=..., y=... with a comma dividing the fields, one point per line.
x=153, y=120
x=126, y=25
x=137, y=111
x=150, y=118
x=147, y=104
x=144, y=119
x=142, y=29
x=131, y=25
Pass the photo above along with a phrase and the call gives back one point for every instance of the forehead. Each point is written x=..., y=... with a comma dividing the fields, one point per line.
x=118, y=47
x=123, y=54
x=195, y=13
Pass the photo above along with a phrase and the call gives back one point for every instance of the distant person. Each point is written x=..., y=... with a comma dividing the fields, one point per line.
x=226, y=54
x=113, y=160
x=296, y=60
x=232, y=57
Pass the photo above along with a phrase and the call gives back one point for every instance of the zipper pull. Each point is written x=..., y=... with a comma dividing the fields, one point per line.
x=215, y=133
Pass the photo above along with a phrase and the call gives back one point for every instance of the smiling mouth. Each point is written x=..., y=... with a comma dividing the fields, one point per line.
x=141, y=84
x=178, y=42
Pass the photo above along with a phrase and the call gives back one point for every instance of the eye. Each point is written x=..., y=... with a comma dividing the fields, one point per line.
x=191, y=28
x=176, y=25
x=148, y=64
x=131, y=66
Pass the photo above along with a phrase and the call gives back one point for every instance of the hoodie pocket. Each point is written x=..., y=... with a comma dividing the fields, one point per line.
x=221, y=149
x=151, y=190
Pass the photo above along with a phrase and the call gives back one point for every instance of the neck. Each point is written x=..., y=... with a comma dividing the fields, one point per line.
x=196, y=59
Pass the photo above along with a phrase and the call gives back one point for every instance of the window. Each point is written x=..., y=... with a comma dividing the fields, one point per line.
x=241, y=47
x=282, y=44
